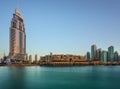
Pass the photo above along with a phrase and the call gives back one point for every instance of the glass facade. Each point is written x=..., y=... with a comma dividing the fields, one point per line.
x=99, y=53
x=111, y=53
x=93, y=51
x=88, y=56
x=116, y=56
x=104, y=56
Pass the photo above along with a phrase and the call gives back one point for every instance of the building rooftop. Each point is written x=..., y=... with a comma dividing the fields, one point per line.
x=18, y=13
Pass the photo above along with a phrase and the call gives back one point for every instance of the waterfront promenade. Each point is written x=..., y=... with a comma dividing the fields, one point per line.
x=64, y=64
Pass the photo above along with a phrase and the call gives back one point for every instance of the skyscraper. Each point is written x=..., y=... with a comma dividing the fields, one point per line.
x=99, y=53
x=111, y=53
x=104, y=56
x=116, y=56
x=36, y=58
x=93, y=51
x=88, y=56
x=17, y=37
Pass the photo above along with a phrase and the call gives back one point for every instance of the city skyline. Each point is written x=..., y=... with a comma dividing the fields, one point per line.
x=67, y=27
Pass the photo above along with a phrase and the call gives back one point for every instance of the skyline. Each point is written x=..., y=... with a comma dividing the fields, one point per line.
x=67, y=27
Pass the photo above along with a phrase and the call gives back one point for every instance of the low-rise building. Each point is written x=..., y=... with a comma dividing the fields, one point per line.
x=63, y=58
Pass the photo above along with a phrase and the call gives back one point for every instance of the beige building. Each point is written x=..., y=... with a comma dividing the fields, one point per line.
x=30, y=59
x=63, y=58
x=17, y=37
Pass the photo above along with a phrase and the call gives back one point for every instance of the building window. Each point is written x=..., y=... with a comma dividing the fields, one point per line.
x=14, y=25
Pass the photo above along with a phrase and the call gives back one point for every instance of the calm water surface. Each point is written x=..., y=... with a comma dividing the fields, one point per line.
x=35, y=77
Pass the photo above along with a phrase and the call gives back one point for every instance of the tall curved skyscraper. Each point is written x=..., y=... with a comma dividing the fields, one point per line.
x=17, y=37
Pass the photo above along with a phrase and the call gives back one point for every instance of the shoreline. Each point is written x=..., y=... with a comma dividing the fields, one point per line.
x=65, y=64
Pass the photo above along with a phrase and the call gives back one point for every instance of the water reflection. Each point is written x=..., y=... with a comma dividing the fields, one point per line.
x=89, y=77
x=13, y=77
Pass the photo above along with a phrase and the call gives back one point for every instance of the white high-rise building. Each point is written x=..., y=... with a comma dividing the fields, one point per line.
x=17, y=37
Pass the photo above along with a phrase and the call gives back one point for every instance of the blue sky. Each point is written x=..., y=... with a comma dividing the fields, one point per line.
x=63, y=26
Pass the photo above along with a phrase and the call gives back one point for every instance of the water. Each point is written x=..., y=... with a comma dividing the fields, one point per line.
x=35, y=77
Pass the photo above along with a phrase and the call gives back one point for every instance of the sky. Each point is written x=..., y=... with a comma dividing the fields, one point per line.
x=63, y=26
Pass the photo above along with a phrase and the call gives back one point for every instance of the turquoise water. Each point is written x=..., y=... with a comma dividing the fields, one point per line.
x=87, y=77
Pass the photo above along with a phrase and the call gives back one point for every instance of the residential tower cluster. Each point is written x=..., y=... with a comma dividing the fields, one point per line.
x=102, y=55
